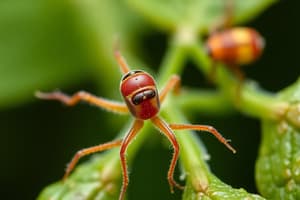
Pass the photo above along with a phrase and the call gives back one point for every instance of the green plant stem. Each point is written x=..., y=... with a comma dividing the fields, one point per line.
x=251, y=100
x=174, y=59
x=205, y=102
x=192, y=151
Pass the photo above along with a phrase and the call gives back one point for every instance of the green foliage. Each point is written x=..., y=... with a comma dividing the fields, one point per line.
x=45, y=60
x=41, y=39
x=278, y=164
x=198, y=15
x=218, y=191
x=199, y=177
x=58, y=43
x=89, y=181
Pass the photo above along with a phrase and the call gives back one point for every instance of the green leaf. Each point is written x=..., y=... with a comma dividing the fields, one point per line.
x=38, y=49
x=51, y=44
x=247, y=10
x=200, y=183
x=102, y=24
x=98, y=178
x=278, y=164
x=218, y=190
x=197, y=14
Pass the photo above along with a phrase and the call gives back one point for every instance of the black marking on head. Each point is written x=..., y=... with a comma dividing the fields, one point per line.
x=144, y=95
x=130, y=73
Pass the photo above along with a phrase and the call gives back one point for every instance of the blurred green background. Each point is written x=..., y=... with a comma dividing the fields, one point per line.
x=46, y=45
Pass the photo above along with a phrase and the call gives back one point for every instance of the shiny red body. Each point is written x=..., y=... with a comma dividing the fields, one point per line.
x=139, y=91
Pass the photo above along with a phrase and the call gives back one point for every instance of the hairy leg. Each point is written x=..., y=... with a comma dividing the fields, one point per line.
x=87, y=151
x=165, y=129
x=206, y=128
x=137, y=125
x=84, y=96
x=173, y=83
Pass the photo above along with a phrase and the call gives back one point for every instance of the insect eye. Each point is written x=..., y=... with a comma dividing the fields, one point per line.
x=140, y=97
x=149, y=94
x=131, y=73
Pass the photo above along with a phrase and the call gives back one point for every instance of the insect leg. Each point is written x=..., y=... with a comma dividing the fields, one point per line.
x=121, y=60
x=173, y=83
x=206, y=128
x=84, y=96
x=87, y=151
x=165, y=129
x=137, y=125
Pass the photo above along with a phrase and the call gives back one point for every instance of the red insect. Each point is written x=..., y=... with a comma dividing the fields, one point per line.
x=142, y=99
x=234, y=46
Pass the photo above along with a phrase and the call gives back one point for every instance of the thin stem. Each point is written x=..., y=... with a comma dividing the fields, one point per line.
x=172, y=63
x=192, y=151
x=204, y=102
